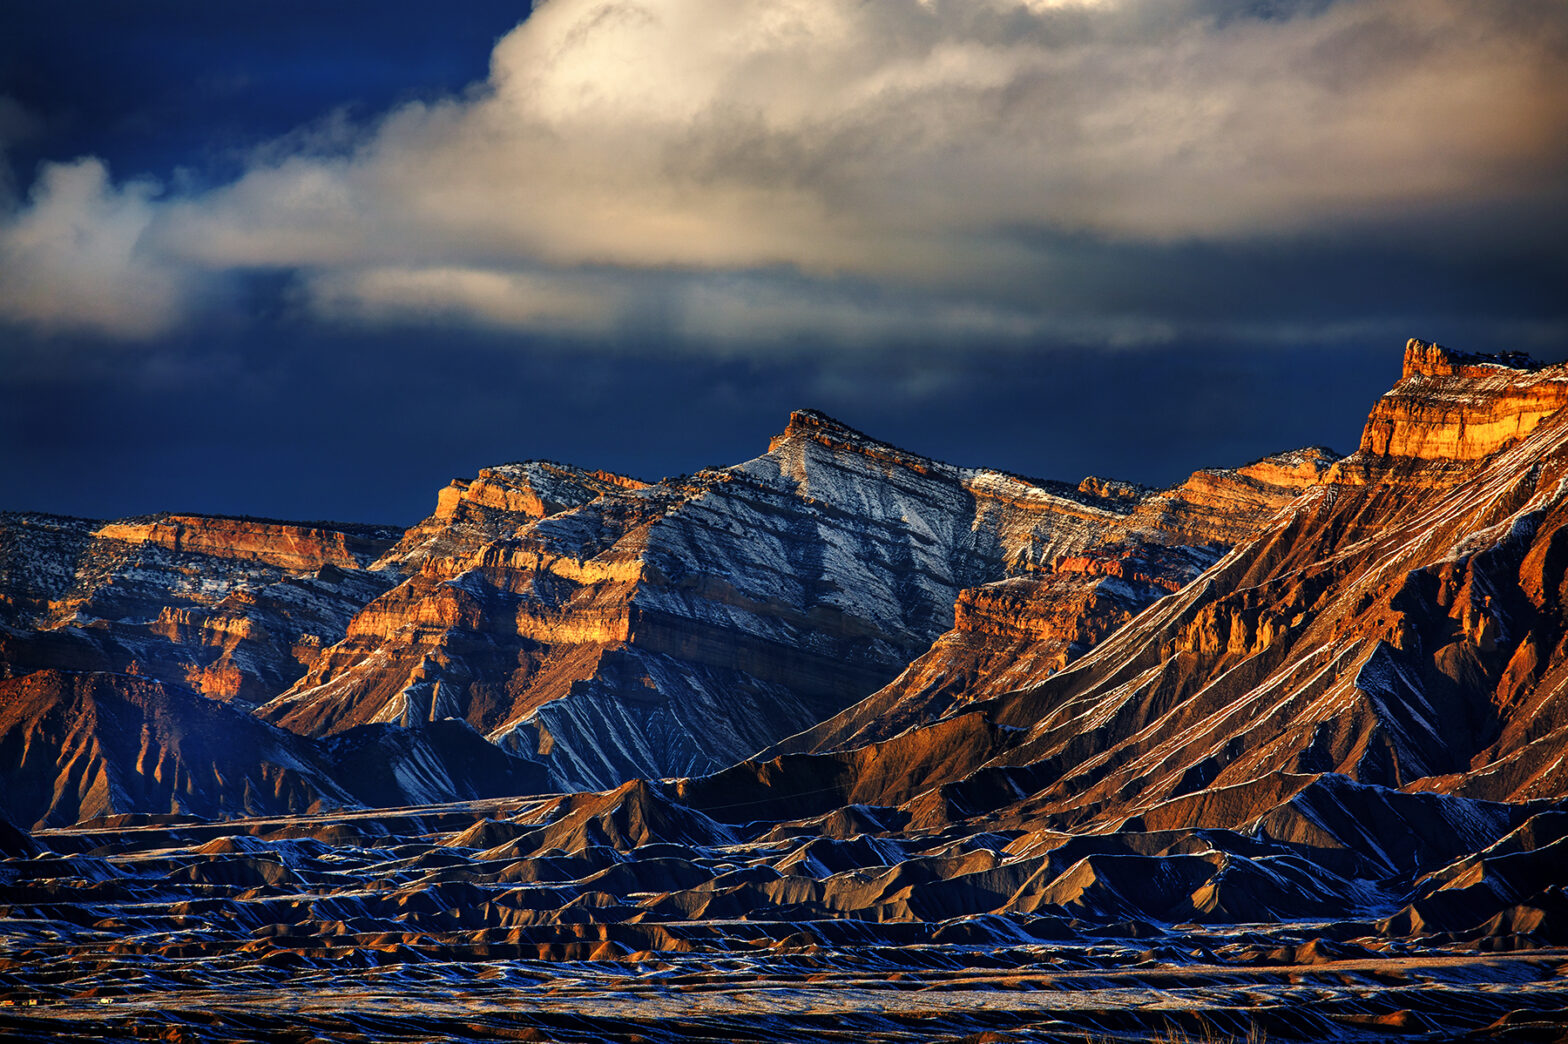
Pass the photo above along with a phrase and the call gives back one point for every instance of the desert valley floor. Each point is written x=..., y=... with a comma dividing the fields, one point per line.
x=393, y=926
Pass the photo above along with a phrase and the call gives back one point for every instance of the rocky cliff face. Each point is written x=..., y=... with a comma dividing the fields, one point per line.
x=1452, y=408
x=611, y=629
x=1401, y=625
x=1011, y=633
x=235, y=609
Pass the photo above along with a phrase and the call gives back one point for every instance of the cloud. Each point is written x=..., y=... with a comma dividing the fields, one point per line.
x=545, y=301
x=922, y=148
x=73, y=259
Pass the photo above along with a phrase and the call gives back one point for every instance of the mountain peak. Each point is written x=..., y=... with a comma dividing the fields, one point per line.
x=1429, y=359
x=836, y=435
x=814, y=422
x=1477, y=405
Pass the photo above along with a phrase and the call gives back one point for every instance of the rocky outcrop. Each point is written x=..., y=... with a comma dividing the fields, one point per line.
x=233, y=608
x=1451, y=408
x=472, y=513
x=611, y=629
x=1011, y=633
x=285, y=546
x=1387, y=628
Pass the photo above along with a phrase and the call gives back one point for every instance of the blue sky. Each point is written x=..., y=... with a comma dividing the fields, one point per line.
x=313, y=260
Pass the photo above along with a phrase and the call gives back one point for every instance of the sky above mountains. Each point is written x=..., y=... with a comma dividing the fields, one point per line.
x=313, y=260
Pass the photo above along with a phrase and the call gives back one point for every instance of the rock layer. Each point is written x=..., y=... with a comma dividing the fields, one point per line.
x=233, y=608
x=1401, y=626
x=657, y=630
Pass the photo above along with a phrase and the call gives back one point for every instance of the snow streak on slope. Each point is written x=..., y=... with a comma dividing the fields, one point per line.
x=675, y=628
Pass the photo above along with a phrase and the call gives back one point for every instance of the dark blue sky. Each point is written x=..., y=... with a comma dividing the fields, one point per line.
x=185, y=324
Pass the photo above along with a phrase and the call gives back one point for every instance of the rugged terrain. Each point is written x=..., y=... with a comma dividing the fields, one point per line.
x=630, y=916
x=603, y=628
x=1278, y=750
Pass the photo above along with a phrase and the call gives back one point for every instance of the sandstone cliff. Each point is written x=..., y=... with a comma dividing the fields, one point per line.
x=1401, y=626
x=233, y=608
x=611, y=629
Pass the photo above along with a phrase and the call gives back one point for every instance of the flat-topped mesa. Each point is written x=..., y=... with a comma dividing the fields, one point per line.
x=1429, y=359
x=473, y=512
x=297, y=548
x=534, y=488
x=1451, y=408
x=836, y=435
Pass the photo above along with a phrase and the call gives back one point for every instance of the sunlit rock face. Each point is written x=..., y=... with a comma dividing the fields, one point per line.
x=1400, y=626
x=1451, y=408
x=233, y=608
x=612, y=629
x=1012, y=633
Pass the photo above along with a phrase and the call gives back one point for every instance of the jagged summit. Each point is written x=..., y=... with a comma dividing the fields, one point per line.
x=1451, y=408
x=1430, y=359
x=809, y=419
x=834, y=434
x=1112, y=489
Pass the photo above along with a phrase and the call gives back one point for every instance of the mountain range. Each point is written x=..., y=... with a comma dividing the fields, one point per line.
x=839, y=707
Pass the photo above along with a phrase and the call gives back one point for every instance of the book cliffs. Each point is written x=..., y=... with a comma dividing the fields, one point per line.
x=606, y=628
x=833, y=591
x=840, y=710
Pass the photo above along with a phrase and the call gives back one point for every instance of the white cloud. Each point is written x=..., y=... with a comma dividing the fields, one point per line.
x=547, y=301
x=72, y=258
x=899, y=143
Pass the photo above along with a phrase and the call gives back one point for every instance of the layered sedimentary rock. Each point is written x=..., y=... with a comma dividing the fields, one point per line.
x=233, y=608
x=612, y=629
x=1012, y=633
x=1450, y=409
x=1401, y=626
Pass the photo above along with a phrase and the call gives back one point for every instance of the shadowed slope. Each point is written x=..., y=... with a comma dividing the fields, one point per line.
x=1402, y=625
x=80, y=746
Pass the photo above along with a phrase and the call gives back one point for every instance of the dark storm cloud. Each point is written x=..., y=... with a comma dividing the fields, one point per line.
x=895, y=144
x=315, y=259
x=157, y=86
